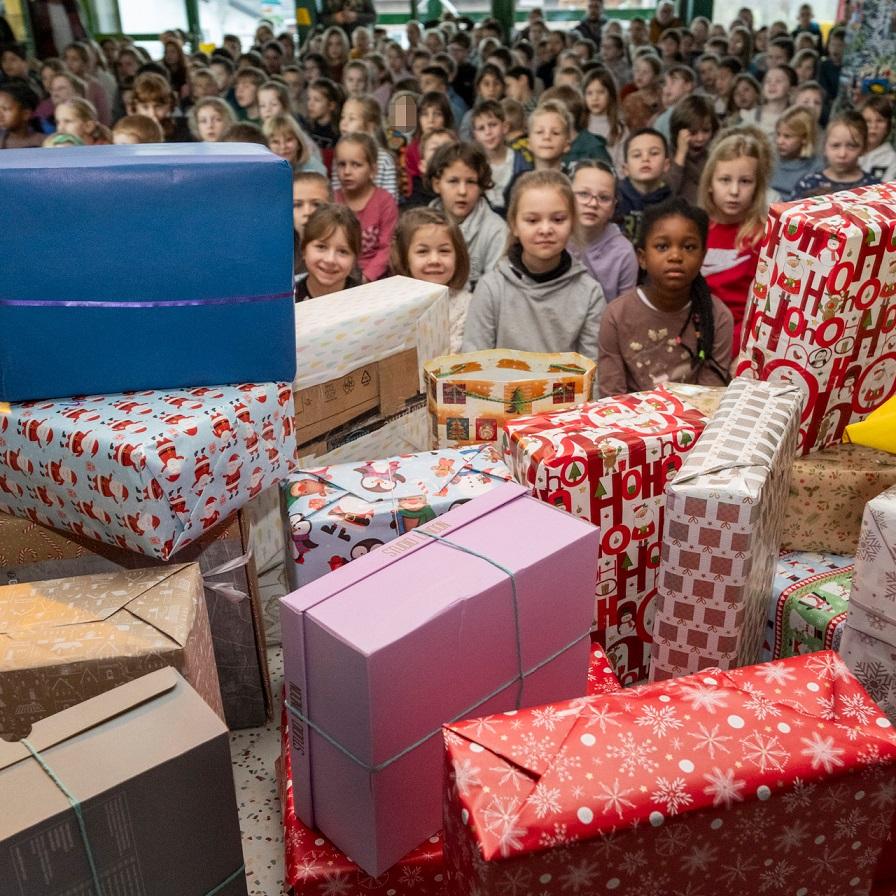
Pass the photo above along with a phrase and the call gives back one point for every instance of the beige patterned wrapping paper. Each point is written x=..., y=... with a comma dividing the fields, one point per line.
x=63, y=641
x=723, y=527
x=828, y=493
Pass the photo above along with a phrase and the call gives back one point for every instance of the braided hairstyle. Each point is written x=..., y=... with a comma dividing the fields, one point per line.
x=701, y=298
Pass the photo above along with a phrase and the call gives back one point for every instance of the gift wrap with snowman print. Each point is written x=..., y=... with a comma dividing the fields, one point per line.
x=339, y=513
x=822, y=314
x=470, y=396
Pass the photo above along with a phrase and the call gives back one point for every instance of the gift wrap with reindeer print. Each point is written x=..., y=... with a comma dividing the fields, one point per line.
x=471, y=395
x=822, y=314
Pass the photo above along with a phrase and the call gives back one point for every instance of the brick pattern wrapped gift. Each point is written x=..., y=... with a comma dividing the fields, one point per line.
x=822, y=314
x=778, y=778
x=314, y=867
x=723, y=526
x=471, y=395
x=869, y=637
x=809, y=601
x=66, y=640
x=32, y=553
x=609, y=463
x=337, y=514
x=147, y=471
x=828, y=493
x=380, y=652
x=168, y=280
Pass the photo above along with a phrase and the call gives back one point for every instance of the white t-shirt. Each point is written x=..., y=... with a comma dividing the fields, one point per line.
x=880, y=162
x=501, y=174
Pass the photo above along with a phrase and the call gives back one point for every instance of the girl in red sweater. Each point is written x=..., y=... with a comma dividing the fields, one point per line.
x=733, y=192
x=375, y=208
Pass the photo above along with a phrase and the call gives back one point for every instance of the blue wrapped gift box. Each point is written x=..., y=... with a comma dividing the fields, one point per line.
x=144, y=267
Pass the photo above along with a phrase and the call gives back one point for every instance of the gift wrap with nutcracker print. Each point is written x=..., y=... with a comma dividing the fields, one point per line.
x=822, y=314
x=147, y=471
x=337, y=514
x=378, y=654
x=869, y=637
x=609, y=462
x=314, y=867
x=65, y=640
x=773, y=779
x=828, y=493
x=472, y=395
x=724, y=511
x=807, y=610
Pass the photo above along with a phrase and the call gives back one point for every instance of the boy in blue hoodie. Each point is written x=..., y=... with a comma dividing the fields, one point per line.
x=646, y=164
x=490, y=130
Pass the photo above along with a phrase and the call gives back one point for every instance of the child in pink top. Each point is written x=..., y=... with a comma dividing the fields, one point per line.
x=375, y=208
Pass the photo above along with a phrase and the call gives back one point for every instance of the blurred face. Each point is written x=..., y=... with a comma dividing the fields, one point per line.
x=318, y=105
x=61, y=90
x=234, y=46
x=458, y=188
x=273, y=60
x=312, y=70
x=787, y=142
x=352, y=168
x=67, y=122
x=595, y=194
x=355, y=82
x=669, y=47
x=306, y=198
x=595, y=10
x=395, y=58
x=646, y=161
x=156, y=109
x=805, y=71
x=642, y=74
x=352, y=119
x=431, y=255
x=724, y=81
x=877, y=127
x=246, y=92
x=432, y=145
x=708, y=70
x=548, y=137
x=269, y=104
x=674, y=88
x=609, y=51
x=334, y=48
x=733, y=187
x=700, y=138
x=431, y=84
x=489, y=132
x=810, y=99
x=295, y=81
x=74, y=63
x=842, y=149
x=203, y=87
x=556, y=44
x=46, y=78
x=776, y=85
x=221, y=76
x=125, y=138
x=431, y=117
x=543, y=224
x=13, y=65
x=776, y=55
x=597, y=98
x=537, y=31
x=12, y=116
x=285, y=144
x=835, y=50
x=518, y=89
x=637, y=32
x=171, y=56
x=672, y=254
x=745, y=96
x=210, y=124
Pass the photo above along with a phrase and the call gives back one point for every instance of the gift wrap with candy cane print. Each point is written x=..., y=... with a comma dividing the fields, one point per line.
x=147, y=471
x=822, y=314
x=471, y=395
x=337, y=514
x=761, y=781
x=724, y=511
x=609, y=462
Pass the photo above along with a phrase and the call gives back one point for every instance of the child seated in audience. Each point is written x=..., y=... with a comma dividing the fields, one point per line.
x=600, y=245
x=488, y=85
x=210, y=118
x=644, y=184
x=520, y=82
x=433, y=112
x=17, y=104
x=810, y=96
x=604, y=118
x=430, y=144
x=583, y=144
x=517, y=135
x=846, y=140
x=692, y=127
x=287, y=140
x=796, y=143
x=376, y=210
x=136, y=129
x=310, y=191
x=356, y=79
x=776, y=87
x=460, y=176
x=362, y=115
x=678, y=81
x=78, y=117
x=154, y=98
x=246, y=84
x=671, y=328
x=244, y=132
x=273, y=99
x=550, y=135
x=330, y=249
x=539, y=298
x=879, y=158
x=490, y=132
x=324, y=105
x=429, y=246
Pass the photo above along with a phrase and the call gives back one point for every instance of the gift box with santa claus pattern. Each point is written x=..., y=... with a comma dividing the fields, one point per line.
x=339, y=513
x=147, y=471
x=609, y=462
x=822, y=314
x=779, y=778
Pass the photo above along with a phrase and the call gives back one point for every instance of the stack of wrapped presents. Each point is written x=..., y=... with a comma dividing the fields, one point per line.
x=532, y=643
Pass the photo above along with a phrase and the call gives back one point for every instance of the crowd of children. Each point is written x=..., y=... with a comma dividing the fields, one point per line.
x=601, y=189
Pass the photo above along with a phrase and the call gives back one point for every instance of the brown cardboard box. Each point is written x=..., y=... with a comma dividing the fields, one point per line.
x=63, y=641
x=383, y=385
x=149, y=764
x=30, y=553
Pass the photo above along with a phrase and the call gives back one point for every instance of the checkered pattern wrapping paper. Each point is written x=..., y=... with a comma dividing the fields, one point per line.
x=724, y=511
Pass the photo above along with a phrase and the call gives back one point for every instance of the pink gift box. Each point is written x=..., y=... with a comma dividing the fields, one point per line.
x=382, y=651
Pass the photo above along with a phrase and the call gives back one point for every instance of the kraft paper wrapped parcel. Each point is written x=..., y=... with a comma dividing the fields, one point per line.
x=822, y=314
x=177, y=272
x=724, y=511
x=488, y=605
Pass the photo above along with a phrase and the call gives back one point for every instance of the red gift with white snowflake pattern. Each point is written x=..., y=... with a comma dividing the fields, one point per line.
x=315, y=867
x=771, y=779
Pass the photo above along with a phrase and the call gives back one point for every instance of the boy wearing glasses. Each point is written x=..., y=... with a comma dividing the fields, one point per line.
x=604, y=251
x=646, y=166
